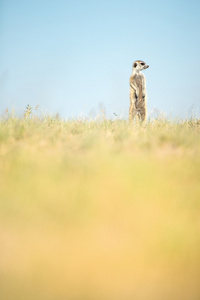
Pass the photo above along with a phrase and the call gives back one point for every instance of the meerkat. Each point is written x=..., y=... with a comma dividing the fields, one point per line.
x=138, y=95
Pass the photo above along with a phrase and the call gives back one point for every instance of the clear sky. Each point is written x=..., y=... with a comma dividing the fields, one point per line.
x=73, y=56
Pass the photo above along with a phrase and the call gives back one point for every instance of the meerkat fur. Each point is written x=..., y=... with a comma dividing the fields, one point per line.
x=138, y=95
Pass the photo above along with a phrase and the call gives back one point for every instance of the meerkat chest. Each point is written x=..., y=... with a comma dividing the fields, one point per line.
x=139, y=78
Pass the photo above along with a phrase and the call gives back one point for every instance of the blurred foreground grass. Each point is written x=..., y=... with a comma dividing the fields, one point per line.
x=97, y=210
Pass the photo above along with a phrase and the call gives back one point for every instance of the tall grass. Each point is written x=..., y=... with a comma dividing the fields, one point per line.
x=99, y=209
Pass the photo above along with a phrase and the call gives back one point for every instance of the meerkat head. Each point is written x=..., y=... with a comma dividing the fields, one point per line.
x=139, y=65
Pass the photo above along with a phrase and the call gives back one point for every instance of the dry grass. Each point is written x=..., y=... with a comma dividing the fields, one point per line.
x=97, y=210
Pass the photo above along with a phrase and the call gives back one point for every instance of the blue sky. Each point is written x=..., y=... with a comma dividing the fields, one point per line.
x=72, y=57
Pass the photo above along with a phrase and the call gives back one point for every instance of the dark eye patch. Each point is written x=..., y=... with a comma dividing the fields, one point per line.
x=142, y=64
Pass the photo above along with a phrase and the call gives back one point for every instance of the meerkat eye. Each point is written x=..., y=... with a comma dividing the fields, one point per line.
x=142, y=64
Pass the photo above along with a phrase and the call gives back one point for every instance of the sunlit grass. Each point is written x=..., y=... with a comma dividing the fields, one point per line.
x=99, y=209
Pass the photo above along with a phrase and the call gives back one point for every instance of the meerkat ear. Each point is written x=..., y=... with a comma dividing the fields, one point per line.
x=135, y=65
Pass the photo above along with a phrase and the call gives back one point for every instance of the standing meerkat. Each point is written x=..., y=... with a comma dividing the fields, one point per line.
x=138, y=96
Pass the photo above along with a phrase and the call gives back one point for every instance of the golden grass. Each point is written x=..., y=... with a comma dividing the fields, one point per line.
x=97, y=210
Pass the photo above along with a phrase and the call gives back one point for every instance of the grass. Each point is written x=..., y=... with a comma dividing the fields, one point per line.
x=99, y=209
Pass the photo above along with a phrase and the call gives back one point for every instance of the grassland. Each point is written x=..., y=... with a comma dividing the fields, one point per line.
x=99, y=209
